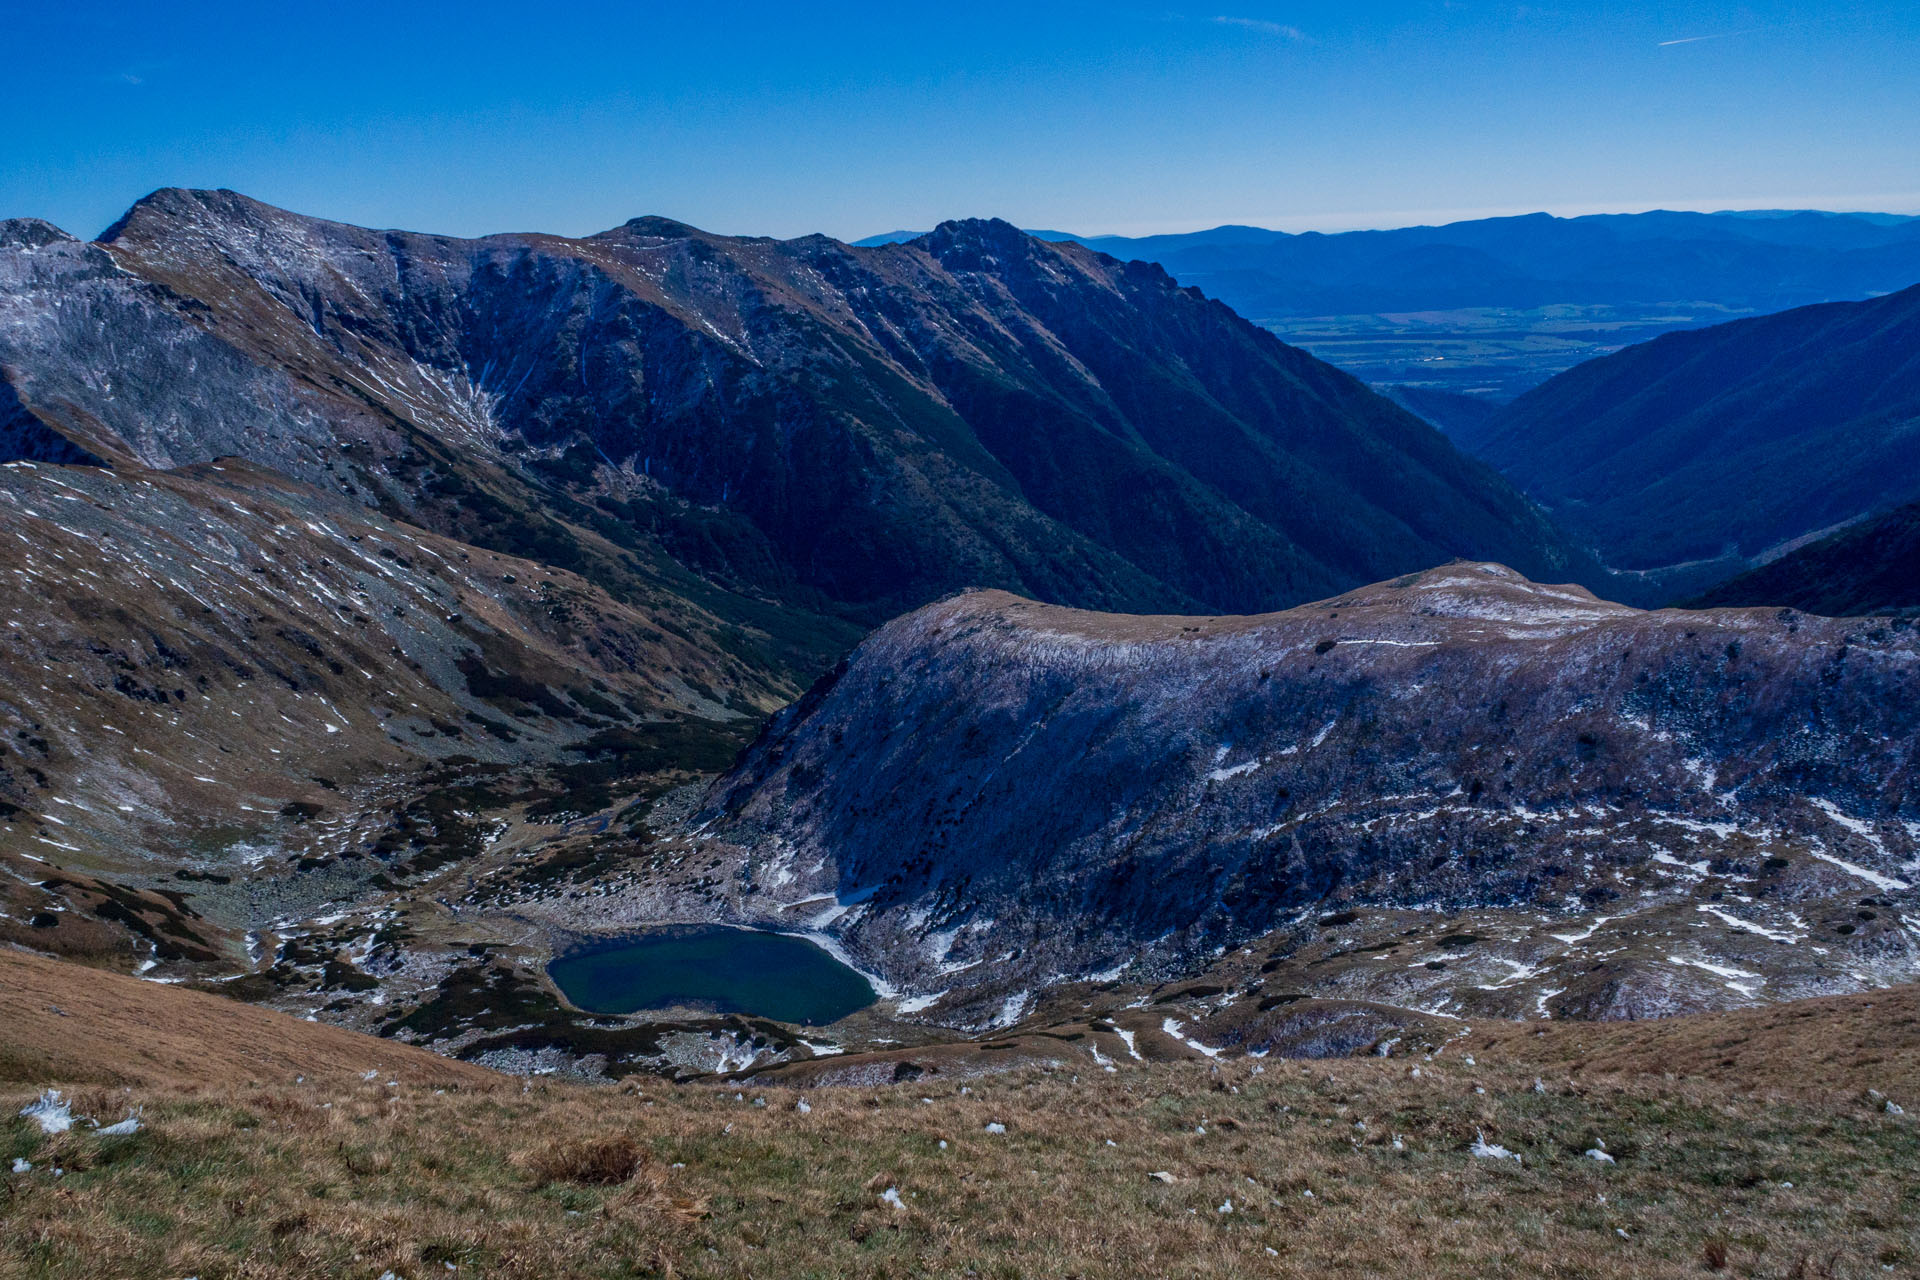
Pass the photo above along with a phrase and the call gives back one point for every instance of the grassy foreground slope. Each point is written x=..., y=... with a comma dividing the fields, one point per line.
x=66, y=1024
x=1281, y=1168
x=1869, y=1040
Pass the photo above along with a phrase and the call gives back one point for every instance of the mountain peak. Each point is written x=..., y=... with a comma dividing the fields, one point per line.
x=650, y=227
x=30, y=233
x=173, y=207
x=981, y=229
x=977, y=244
x=1480, y=590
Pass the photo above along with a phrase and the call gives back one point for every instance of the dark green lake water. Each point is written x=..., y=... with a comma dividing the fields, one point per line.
x=771, y=975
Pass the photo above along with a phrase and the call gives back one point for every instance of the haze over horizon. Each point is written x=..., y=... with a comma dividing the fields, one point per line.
x=1122, y=119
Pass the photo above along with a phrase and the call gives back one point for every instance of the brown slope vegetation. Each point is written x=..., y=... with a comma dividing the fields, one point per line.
x=1835, y=1044
x=1193, y=1168
x=184, y=645
x=62, y=1023
x=104, y=363
x=221, y=672
x=1825, y=1046
x=1279, y=1168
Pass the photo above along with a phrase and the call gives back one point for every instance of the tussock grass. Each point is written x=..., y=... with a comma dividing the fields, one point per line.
x=552, y=1180
x=592, y=1162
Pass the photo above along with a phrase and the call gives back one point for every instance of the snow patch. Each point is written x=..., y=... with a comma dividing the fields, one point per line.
x=125, y=1128
x=1853, y=869
x=1773, y=935
x=1014, y=1009
x=1726, y=972
x=1484, y=1150
x=1667, y=859
x=1866, y=832
x=1175, y=1028
x=50, y=1111
x=1233, y=771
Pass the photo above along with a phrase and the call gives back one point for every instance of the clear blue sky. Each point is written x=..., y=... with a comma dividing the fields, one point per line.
x=853, y=119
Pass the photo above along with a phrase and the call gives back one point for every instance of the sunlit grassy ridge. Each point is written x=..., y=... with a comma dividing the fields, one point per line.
x=272, y=1148
x=1330, y=1168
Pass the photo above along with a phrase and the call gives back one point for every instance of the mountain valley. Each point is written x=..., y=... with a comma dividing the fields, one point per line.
x=380, y=603
x=1692, y=458
x=382, y=609
x=560, y=719
x=1871, y=566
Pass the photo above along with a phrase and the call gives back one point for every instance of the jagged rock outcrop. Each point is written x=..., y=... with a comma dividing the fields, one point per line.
x=994, y=794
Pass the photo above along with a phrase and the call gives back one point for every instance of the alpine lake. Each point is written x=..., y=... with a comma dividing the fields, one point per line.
x=717, y=967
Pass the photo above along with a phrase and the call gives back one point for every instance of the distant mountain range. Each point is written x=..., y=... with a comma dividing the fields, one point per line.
x=901, y=237
x=867, y=428
x=1700, y=454
x=1492, y=307
x=1683, y=460
x=1762, y=261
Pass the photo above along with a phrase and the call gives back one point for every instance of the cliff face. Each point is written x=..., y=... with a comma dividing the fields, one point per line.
x=998, y=792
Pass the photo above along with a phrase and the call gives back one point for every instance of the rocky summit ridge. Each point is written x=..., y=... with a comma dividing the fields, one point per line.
x=1654, y=811
x=868, y=428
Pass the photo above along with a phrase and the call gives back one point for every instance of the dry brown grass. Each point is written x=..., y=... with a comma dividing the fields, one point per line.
x=526, y=1181
x=245, y=1173
x=62, y=1021
x=591, y=1162
x=1841, y=1043
x=614, y=1160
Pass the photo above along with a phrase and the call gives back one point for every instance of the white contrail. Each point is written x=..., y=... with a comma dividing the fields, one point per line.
x=1826, y=20
x=1718, y=35
x=1280, y=29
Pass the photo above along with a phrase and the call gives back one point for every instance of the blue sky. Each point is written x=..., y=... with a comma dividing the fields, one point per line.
x=853, y=119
